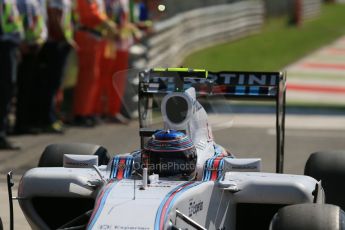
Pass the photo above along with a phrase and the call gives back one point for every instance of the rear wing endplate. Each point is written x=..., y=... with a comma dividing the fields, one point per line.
x=235, y=85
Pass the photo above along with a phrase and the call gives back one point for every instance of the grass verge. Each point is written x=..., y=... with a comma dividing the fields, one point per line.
x=277, y=46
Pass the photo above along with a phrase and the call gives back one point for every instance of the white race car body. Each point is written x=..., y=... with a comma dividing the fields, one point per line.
x=122, y=204
x=224, y=192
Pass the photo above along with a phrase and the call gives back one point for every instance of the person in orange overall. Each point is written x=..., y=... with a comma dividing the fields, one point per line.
x=115, y=60
x=93, y=25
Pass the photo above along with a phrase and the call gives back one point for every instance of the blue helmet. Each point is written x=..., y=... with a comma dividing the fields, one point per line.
x=170, y=153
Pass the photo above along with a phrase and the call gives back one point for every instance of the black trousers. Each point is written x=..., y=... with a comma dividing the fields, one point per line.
x=27, y=90
x=8, y=68
x=40, y=76
x=53, y=59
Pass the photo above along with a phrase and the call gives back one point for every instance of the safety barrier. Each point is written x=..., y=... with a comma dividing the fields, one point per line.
x=178, y=36
x=278, y=8
x=311, y=8
x=306, y=9
x=175, y=7
x=187, y=32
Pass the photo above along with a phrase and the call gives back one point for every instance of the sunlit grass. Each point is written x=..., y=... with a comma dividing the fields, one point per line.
x=277, y=46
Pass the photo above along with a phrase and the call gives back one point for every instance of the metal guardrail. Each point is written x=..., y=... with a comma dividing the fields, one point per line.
x=179, y=36
x=187, y=32
x=180, y=6
x=304, y=10
x=310, y=8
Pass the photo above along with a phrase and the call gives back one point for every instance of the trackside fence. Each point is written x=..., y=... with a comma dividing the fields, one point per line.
x=177, y=37
x=306, y=9
x=184, y=33
x=311, y=8
x=180, y=35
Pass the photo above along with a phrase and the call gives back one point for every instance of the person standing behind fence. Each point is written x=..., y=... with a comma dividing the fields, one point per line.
x=93, y=26
x=53, y=60
x=107, y=98
x=33, y=13
x=140, y=15
x=115, y=60
x=11, y=34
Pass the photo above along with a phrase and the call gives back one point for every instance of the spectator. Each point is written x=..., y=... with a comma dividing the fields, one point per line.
x=11, y=33
x=93, y=26
x=140, y=15
x=35, y=30
x=53, y=59
x=115, y=61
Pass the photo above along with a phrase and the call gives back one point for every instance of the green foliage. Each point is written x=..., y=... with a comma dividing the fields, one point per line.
x=277, y=46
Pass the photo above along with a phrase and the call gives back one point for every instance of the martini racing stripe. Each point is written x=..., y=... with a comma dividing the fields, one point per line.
x=168, y=202
x=121, y=167
x=100, y=203
x=240, y=90
x=218, y=164
x=245, y=90
x=269, y=91
x=213, y=169
x=207, y=173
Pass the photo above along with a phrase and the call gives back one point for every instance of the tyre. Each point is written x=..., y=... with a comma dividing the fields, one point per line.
x=309, y=217
x=52, y=155
x=329, y=167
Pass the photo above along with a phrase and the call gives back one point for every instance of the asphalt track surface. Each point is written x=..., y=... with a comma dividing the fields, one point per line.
x=243, y=134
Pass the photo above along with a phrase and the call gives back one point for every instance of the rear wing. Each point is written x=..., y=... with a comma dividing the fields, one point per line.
x=234, y=85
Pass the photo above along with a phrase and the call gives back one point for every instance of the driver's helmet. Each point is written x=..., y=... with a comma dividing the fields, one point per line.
x=170, y=153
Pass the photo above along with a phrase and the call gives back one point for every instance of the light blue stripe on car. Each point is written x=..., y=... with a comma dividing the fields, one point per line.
x=220, y=171
x=101, y=206
x=115, y=168
x=160, y=209
x=129, y=163
x=207, y=171
x=254, y=90
x=178, y=193
x=240, y=90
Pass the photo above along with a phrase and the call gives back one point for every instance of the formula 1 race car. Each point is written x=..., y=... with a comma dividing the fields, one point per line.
x=179, y=178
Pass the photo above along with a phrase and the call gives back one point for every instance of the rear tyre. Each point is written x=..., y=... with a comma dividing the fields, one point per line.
x=52, y=155
x=309, y=217
x=329, y=167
